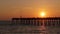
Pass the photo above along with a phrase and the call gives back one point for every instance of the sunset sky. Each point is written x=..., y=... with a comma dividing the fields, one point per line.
x=28, y=8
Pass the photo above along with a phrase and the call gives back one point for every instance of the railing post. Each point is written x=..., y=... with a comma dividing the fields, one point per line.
x=51, y=23
x=33, y=22
x=47, y=22
x=58, y=22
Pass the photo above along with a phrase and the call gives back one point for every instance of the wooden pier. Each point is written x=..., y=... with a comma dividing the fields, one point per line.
x=50, y=21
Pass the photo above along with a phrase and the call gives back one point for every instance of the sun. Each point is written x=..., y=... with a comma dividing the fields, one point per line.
x=42, y=14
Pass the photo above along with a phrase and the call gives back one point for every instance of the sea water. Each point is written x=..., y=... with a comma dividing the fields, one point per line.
x=27, y=29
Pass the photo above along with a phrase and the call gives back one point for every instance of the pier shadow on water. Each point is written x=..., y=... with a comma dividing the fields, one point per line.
x=28, y=29
x=16, y=29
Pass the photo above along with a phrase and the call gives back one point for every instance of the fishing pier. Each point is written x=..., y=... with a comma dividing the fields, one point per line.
x=50, y=21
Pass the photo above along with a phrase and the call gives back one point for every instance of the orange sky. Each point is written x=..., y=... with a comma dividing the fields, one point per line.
x=28, y=8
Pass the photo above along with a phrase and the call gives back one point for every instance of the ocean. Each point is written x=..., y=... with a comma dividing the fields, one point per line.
x=6, y=28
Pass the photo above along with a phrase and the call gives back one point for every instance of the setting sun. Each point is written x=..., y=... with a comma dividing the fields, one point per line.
x=42, y=14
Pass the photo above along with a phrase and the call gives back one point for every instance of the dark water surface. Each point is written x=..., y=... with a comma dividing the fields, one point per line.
x=25, y=29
